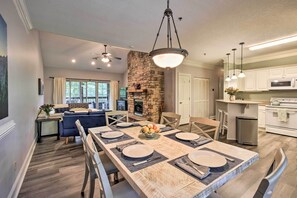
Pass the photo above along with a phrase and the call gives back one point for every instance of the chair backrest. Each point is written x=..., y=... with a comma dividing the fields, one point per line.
x=204, y=126
x=99, y=168
x=276, y=169
x=170, y=119
x=114, y=117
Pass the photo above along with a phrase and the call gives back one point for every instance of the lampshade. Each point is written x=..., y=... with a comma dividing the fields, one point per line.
x=228, y=79
x=168, y=57
x=234, y=77
x=241, y=75
x=105, y=59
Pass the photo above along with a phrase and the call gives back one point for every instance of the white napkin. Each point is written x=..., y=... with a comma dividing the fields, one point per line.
x=201, y=140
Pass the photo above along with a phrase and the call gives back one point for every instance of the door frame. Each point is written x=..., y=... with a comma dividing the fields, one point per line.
x=177, y=91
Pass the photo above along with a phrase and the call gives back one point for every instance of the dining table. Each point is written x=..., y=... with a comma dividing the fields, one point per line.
x=162, y=177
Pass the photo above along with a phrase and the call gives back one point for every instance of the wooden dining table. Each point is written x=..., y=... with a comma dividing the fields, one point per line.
x=165, y=180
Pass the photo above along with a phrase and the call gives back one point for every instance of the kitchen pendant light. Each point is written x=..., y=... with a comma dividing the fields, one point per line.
x=241, y=74
x=234, y=77
x=168, y=57
x=228, y=79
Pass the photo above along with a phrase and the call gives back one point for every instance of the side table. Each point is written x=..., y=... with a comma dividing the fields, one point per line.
x=39, y=122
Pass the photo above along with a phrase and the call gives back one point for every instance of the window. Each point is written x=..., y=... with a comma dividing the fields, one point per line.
x=96, y=93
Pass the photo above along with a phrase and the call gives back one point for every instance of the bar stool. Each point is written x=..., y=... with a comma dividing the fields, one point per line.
x=220, y=119
x=224, y=123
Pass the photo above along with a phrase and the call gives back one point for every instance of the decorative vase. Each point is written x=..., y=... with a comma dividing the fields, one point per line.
x=232, y=97
x=151, y=135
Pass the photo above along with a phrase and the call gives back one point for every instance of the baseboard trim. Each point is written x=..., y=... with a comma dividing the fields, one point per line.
x=16, y=187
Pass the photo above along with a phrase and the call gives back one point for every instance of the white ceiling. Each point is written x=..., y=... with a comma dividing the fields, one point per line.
x=213, y=27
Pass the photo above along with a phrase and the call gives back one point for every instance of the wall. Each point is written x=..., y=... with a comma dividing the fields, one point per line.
x=125, y=79
x=24, y=68
x=198, y=72
x=79, y=74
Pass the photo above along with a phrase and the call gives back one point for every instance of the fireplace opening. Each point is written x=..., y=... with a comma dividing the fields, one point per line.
x=138, y=107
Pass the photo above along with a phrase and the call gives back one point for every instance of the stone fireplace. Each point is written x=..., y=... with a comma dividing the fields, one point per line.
x=142, y=71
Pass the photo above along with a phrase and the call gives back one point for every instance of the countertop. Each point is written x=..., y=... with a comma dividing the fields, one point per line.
x=239, y=102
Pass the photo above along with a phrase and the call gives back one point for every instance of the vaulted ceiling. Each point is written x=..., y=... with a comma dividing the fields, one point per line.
x=208, y=29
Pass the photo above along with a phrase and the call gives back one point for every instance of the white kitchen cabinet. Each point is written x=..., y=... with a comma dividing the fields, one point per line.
x=262, y=80
x=261, y=116
x=250, y=80
x=276, y=73
x=290, y=72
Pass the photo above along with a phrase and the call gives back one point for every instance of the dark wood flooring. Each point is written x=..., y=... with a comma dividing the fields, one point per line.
x=57, y=170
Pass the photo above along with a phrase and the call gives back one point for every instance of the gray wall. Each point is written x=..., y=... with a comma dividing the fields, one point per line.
x=24, y=68
x=79, y=74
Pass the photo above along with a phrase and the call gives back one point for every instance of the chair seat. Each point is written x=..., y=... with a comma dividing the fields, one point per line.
x=107, y=163
x=123, y=190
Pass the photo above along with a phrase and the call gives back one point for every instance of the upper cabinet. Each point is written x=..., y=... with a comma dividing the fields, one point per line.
x=283, y=72
x=250, y=80
x=262, y=79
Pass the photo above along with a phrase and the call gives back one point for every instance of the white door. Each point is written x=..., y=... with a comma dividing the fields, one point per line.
x=200, y=97
x=184, y=100
x=250, y=80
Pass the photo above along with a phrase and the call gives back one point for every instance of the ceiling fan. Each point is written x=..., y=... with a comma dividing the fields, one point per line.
x=106, y=57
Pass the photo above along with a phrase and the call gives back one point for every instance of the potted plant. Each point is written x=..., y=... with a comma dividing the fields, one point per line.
x=231, y=91
x=46, y=108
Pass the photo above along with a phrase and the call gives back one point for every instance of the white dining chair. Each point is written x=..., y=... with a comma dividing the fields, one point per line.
x=268, y=183
x=224, y=123
x=170, y=119
x=89, y=167
x=119, y=190
x=114, y=117
x=204, y=126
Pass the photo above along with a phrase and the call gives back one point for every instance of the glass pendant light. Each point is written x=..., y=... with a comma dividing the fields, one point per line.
x=241, y=74
x=168, y=57
x=234, y=77
x=228, y=79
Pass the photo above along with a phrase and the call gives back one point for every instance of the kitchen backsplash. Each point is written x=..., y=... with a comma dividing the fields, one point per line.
x=266, y=95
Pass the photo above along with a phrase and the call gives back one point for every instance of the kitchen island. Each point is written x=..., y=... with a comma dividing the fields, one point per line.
x=234, y=109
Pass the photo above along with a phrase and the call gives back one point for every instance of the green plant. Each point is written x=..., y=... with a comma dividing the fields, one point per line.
x=47, y=108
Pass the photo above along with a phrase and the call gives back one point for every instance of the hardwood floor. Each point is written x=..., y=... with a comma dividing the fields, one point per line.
x=57, y=170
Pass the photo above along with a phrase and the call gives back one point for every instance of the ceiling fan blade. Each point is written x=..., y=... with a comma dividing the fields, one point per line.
x=95, y=58
x=118, y=58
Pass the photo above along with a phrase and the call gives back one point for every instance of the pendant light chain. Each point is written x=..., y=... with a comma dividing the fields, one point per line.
x=233, y=61
x=228, y=63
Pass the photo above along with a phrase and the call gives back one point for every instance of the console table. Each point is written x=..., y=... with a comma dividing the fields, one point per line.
x=39, y=122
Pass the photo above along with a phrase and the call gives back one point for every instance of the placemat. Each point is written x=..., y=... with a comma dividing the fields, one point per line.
x=115, y=128
x=128, y=162
x=109, y=141
x=215, y=172
x=165, y=129
x=188, y=143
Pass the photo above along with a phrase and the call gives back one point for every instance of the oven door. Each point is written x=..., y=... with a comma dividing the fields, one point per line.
x=272, y=118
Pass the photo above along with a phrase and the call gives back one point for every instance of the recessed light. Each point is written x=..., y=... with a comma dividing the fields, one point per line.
x=93, y=62
x=273, y=43
x=73, y=60
x=108, y=65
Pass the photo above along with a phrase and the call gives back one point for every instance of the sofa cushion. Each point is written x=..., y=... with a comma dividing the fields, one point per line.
x=71, y=113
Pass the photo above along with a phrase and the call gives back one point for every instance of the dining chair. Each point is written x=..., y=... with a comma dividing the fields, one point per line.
x=114, y=117
x=268, y=183
x=170, y=119
x=120, y=190
x=89, y=167
x=204, y=126
x=224, y=123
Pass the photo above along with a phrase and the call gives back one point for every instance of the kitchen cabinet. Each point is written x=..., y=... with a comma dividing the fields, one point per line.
x=250, y=80
x=261, y=116
x=283, y=72
x=262, y=79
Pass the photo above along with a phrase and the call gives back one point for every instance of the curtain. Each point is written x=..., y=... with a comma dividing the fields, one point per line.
x=59, y=91
x=114, y=94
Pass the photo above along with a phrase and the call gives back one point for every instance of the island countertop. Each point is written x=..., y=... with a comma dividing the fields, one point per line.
x=239, y=102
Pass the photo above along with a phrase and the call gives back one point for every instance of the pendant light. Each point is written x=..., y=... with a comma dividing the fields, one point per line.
x=241, y=74
x=168, y=57
x=228, y=79
x=234, y=77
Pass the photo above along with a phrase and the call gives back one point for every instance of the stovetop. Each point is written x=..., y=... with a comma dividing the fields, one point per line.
x=283, y=103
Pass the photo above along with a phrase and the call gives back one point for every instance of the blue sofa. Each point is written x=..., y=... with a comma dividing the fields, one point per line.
x=87, y=120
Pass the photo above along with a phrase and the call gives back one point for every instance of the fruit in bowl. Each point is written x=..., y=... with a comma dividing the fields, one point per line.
x=150, y=130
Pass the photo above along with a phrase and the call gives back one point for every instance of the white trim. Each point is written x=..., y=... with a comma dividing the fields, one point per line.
x=24, y=14
x=14, y=191
x=6, y=128
x=272, y=56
